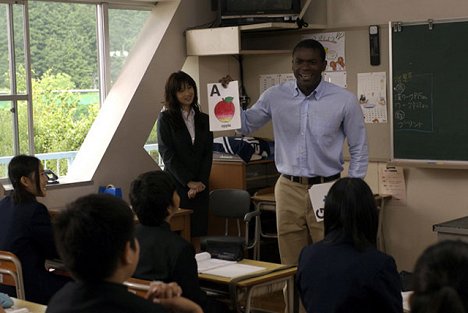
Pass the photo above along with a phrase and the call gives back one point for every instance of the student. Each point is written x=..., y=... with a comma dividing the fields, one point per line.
x=26, y=229
x=345, y=272
x=96, y=240
x=440, y=279
x=186, y=146
x=164, y=255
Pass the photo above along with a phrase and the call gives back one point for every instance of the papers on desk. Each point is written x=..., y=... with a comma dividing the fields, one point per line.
x=208, y=265
x=13, y=310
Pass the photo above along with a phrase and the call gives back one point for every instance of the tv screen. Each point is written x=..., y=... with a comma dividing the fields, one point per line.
x=259, y=8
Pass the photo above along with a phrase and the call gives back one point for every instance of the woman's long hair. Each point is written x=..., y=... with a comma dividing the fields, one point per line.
x=351, y=213
x=27, y=166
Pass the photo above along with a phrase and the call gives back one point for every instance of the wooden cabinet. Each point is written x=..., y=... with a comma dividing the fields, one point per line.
x=237, y=174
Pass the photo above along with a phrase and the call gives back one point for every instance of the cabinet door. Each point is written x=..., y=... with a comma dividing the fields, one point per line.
x=227, y=175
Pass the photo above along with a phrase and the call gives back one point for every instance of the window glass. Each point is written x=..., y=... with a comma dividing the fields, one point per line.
x=64, y=74
x=124, y=27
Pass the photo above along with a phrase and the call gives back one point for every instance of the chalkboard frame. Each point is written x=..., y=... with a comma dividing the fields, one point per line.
x=427, y=160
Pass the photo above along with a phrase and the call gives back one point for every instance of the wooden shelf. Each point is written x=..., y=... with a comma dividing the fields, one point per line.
x=227, y=40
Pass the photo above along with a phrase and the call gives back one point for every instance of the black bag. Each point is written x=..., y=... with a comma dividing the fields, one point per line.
x=231, y=251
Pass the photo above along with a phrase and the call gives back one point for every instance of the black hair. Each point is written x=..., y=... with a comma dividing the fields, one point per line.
x=440, y=279
x=175, y=83
x=311, y=44
x=27, y=166
x=351, y=213
x=150, y=196
x=91, y=235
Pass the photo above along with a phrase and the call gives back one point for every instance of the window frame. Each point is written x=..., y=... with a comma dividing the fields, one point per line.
x=103, y=58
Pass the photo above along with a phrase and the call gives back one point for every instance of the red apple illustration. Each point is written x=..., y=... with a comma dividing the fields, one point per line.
x=224, y=110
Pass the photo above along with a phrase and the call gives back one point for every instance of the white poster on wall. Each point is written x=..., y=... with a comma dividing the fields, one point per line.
x=334, y=44
x=224, y=106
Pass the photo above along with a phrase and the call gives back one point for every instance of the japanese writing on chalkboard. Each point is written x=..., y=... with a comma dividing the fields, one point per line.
x=412, y=102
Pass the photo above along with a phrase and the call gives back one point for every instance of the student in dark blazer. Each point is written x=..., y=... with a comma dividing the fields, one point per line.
x=26, y=229
x=164, y=255
x=345, y=272
x=186, y=146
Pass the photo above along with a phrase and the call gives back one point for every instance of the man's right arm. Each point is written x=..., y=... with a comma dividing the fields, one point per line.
x=256, y=116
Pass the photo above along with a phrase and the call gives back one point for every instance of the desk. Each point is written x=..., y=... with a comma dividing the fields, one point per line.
x=180, y=222
x=31, y=306
x=273, y=275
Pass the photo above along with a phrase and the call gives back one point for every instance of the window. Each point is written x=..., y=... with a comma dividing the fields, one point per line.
x=48, y=105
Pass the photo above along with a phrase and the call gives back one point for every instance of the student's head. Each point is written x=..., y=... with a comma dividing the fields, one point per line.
x=95, y=238
x=440, y=279
x=153, y=196
x=27, y=177
x=351, y=213
x=308, y=63
x=180, y=91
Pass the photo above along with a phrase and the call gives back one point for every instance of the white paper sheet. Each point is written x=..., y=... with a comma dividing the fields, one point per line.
x=317, y=194
x=234, y=270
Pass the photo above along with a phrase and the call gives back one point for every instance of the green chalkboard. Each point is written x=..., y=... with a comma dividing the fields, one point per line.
x=429, y=74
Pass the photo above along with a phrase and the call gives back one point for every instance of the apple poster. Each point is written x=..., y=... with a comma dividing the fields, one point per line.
x=223, y=105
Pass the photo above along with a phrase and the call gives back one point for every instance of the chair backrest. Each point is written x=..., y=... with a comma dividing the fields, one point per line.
x=137, y=286
x=11, y=273
x=229, y=203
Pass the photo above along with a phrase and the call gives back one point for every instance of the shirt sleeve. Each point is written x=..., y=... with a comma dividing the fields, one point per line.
x=355, y=131
x=41, y=231
x=256, y=116
x=387, y=288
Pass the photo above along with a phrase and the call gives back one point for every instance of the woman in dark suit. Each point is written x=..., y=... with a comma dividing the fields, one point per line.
x=26, y=229
x=345, y=272
x=186, y=146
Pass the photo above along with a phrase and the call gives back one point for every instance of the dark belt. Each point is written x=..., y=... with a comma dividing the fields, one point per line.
x=311, y=180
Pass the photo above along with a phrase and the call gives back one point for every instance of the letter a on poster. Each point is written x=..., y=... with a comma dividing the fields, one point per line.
x=223, y=106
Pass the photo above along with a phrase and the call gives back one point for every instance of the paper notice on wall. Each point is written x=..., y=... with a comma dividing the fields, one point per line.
x=392, y=182
x=224, y=106
x=317, y=194
x=372, y=94
x=270, y=80
x=337, y=78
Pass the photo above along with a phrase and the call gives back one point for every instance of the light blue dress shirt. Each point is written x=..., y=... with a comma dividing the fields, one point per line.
x=309, y=131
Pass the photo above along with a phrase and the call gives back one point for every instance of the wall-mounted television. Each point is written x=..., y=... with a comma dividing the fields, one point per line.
x=237, y=12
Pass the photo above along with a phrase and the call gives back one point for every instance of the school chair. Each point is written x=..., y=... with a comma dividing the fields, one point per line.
x=137, y=286
x=11, y=273
x=232, y=204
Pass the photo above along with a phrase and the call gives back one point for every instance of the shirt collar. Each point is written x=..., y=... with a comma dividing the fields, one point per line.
x=317, y=93
x=188, y=115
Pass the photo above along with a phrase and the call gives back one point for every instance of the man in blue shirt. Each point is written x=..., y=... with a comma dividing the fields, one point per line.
x=311, y=119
